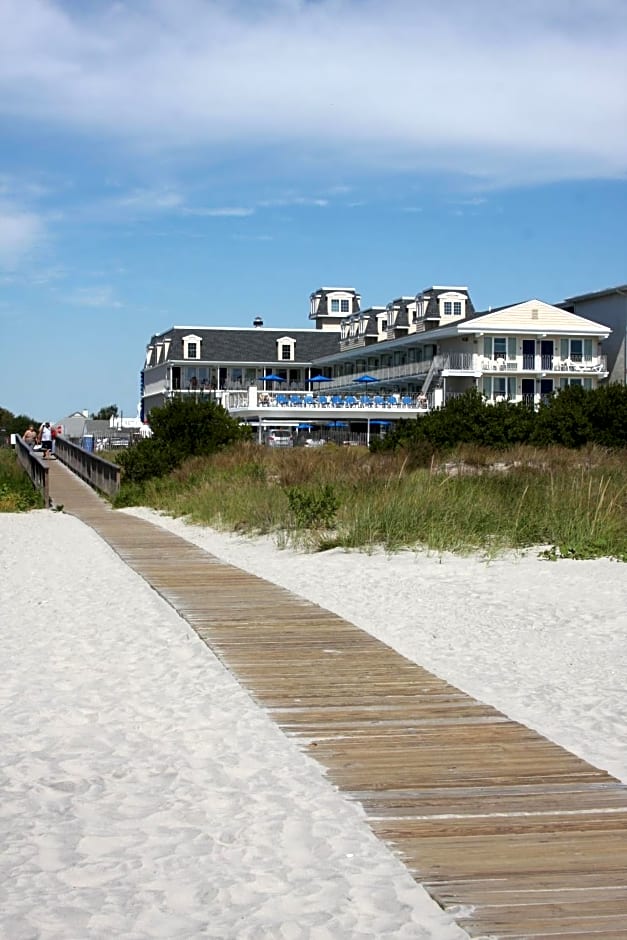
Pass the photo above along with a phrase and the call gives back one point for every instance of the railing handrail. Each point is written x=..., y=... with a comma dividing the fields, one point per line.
x=35, y=467
x=93, y=469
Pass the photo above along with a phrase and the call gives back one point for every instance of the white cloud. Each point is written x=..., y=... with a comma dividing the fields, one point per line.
x=237, y=212
x=98, y=296
x=507, y=92
x=282, y=201
x=20, y=232
x=151, y=200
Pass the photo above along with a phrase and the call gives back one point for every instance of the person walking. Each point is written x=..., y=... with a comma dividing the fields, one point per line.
x=46, y=440
x=30, y=436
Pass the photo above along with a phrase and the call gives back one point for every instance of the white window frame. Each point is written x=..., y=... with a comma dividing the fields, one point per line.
x=188, y=341
x=288, y=341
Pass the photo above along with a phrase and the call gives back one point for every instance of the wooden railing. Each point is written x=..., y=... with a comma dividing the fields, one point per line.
x=98, y=472
x=35, y=467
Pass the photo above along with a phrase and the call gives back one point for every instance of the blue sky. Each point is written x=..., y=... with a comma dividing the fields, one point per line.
x=209, y=161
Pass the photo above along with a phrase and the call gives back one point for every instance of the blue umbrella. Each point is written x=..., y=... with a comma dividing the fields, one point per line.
x=273, y=378
x=366, y=378
x=379, y=421
x=337, y=424
x=319, y=378
x=305, y=427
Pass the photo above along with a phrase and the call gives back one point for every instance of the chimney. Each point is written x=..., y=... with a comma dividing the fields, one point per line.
x=257, y=322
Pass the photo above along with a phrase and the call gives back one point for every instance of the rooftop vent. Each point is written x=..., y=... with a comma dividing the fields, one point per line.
x=257, y=322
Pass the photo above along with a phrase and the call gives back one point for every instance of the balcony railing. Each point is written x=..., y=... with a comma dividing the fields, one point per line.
x=450, y=362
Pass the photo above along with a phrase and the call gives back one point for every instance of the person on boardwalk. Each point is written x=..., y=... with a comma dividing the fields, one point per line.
x=30, y=436
x=45, y=437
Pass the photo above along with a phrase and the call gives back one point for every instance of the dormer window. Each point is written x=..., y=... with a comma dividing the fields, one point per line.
x=285, y=351
x=191, y=347
x=451, y=307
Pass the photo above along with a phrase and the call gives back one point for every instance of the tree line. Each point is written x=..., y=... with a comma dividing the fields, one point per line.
x=574, y=417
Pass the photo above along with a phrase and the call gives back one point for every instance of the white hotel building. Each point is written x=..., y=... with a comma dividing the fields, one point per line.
x=387, y=362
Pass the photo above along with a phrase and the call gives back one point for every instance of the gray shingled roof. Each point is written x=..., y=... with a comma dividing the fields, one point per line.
x=250, y=344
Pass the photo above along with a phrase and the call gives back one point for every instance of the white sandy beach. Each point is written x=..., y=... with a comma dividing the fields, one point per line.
x=143, y=794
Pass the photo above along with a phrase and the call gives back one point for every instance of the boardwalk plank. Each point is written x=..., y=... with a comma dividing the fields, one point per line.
x=511, y=834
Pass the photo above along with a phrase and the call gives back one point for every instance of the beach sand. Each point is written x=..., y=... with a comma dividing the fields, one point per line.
x=144, y=794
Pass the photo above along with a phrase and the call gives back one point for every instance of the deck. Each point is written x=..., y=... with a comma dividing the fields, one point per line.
x=513, y=835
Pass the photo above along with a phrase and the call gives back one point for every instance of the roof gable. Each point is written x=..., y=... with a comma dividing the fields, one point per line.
x=533, y=316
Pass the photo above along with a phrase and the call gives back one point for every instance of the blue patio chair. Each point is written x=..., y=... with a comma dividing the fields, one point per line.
x=337, y=401
x=323, y=401
x=351, y=401
x=309, y=400
x=282, y=399
x=391, y=401
x=296, y=400
x=406, y=401
x=378, y=400
x=366, y=401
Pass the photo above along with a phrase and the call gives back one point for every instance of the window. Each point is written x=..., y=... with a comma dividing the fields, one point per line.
x=457, y=308
x=285, y=349
x=335, y=306
x=448, y=308
x=191, y=346
x=345, y=306
x=576, y=350
x=500, y=347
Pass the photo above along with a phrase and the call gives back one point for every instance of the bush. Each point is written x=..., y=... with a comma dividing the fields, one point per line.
x=182, y=428
x=146, y=459
x=573, y=417
x=313, y=507
x=17, y=493
x=564, y=419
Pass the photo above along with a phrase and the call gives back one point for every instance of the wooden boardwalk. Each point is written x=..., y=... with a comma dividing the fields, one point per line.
x=513, y=835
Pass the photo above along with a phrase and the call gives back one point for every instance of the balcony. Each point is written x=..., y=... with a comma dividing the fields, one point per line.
x=597, y=365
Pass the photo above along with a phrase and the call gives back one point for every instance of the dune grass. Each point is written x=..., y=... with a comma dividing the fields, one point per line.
x=572, y=502
x=17, y=493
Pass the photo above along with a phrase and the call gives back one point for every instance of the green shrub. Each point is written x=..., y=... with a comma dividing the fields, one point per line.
x=148, y=458
x=571, y=418
x=17, y=493
x=313, y=507
x=182, y=428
